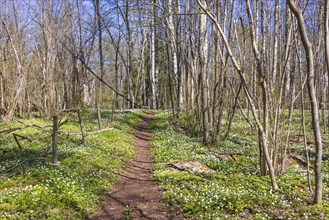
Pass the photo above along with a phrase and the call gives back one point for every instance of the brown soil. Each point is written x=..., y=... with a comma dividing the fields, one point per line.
x=136, y=195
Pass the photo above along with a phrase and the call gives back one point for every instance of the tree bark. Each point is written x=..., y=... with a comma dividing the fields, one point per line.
x=312, y=96
x=153, y=65
x=203, y=52
x=20, y=81
x=326, y=31
x=55, y=140
x=247, y=92
x=101, y=63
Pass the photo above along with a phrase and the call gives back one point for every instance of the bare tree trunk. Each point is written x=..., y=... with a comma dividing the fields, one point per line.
x=101, y=63
x=20, y=82
x=83, y=135
x=2, y=90
x=326, y=31
x=314, y=103
x=142, y=87
x=153, y=67
x=170, y=83
x=173, y=45
x=276, y=141
x=203, y=51
x=262, y=132
x=305, y=140
x=55, y=140
x=129, y=55
x=262, y=74
x=236, y=94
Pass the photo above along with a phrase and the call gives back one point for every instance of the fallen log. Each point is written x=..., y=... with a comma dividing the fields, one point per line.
x=226, y=156
x=301, y=161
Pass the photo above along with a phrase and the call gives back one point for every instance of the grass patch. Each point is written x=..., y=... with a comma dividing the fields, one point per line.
x=32, y=188
x=234, y=190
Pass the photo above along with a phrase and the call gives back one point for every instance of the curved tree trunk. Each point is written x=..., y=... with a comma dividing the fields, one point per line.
x=314, y=103
x=251, y=102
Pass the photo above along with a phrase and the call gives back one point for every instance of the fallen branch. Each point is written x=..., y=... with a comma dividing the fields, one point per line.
x=301, y=161
x=21, y=136
x=17, y=142
x=98, y=77
x=34, y=126
x=43, y=128
x=231, y=155
x=11, y=130
x=71, y=110
x=62, y=121
x=4, y=151
x=86, y=133
x=192, y=167
x=176, y=167
x=27, y=160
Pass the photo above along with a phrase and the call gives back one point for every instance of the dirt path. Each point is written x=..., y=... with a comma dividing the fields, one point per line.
x=136, y=195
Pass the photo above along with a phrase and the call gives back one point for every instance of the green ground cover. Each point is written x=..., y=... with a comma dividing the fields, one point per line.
x=32, y=188
x=233, y=190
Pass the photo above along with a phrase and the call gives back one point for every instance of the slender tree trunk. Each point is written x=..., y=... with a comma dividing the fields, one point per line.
x=276, y=141
x=170, y=83
x=305, y=139
x=203, y=51
x=129, y=56
x=326, y=31
x=20, y=81
x=55, y=140
x=101, y=62
x=236, y=94
x=262, y=132
x=314, y=103
x=153, y=65
x=173, y=44
x=262, y=75
x=83, y=135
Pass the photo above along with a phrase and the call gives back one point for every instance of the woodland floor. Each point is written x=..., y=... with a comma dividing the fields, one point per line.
x=136, y=195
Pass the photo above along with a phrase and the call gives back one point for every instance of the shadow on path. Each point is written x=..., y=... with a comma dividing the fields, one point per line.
x=136, y=195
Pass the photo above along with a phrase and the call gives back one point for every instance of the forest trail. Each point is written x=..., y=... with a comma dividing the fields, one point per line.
x=136, y=195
